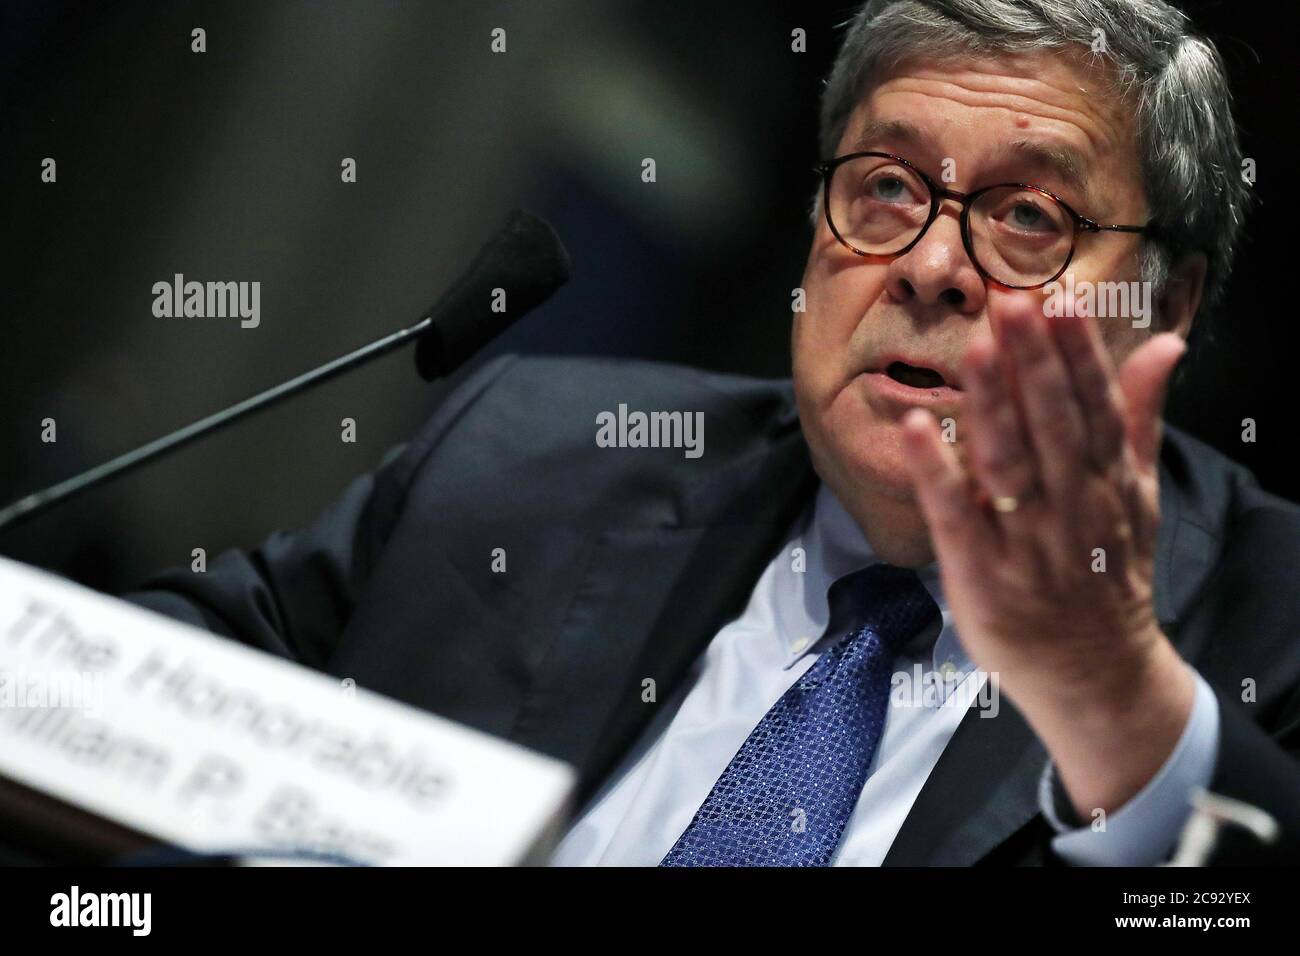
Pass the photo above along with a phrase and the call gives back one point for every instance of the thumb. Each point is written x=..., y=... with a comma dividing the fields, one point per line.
x=1144, y=380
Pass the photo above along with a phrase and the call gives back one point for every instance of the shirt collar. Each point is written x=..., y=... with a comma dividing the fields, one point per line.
x=833, y=545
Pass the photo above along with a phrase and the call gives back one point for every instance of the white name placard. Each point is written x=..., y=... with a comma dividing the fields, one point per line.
x=215, y=747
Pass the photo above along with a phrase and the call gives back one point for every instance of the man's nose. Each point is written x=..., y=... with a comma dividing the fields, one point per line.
x=937, y=271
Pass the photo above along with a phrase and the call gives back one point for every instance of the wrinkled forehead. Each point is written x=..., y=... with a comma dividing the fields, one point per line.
x=1051, y=115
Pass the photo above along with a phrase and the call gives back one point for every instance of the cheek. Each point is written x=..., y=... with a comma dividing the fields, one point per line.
x=839, y=290
x=852, y=444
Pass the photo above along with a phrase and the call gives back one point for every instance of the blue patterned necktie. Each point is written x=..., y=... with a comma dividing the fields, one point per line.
x=787, y=794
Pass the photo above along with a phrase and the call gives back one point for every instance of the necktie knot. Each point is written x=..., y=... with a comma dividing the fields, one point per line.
x=884, y=600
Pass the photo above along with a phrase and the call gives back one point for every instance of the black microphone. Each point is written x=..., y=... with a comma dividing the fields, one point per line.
x=516, y=271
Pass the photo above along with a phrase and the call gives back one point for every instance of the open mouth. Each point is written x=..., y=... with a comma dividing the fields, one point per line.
x=915, y=376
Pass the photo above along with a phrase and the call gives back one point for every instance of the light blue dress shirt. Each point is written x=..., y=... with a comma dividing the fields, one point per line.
x=650, y=799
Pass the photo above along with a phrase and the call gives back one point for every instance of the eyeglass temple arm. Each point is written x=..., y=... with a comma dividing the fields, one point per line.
x=1091, y=226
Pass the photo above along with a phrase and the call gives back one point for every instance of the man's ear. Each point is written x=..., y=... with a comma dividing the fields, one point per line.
x=1181, y=296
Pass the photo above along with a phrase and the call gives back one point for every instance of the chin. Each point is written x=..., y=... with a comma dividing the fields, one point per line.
x=865, y=467
x=869, y=456
x=903, y=548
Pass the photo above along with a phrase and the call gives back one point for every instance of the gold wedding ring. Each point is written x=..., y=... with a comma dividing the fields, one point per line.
x=1005, y=504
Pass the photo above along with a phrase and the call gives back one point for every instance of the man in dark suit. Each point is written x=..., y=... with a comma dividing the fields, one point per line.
x=967, y=476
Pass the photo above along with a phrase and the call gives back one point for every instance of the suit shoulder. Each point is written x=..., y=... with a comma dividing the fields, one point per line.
x=1217, y=489
x=1242, y=522
x=559, y=397
x=532, y=435
x=581, y=377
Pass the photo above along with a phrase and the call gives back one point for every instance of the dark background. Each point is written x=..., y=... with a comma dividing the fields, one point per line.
x=225, y=166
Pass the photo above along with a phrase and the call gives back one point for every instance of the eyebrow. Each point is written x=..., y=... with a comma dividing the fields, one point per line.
x=1065, y=161
x=877, y=130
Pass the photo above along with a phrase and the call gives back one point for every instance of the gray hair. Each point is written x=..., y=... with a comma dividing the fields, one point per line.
x=1191, y=158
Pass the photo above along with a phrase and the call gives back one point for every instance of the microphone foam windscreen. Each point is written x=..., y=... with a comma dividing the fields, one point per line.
x=515, y=271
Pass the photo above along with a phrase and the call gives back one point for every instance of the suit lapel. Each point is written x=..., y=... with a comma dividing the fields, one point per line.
x=983, y=789
x=649, y=602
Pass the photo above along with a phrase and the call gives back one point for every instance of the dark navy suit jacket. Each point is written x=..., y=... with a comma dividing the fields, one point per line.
x=622, y=564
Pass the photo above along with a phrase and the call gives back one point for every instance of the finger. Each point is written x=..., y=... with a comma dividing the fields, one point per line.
x=960, y=530
x=997, y=448
x=1053, y=421
x=1096, y=387
x=1144, y=381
